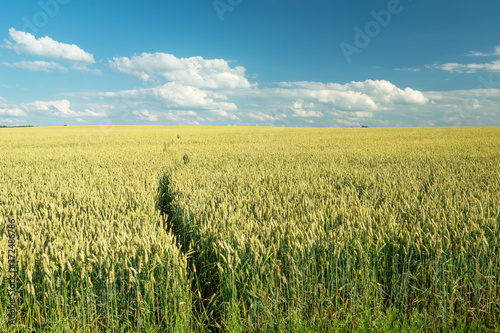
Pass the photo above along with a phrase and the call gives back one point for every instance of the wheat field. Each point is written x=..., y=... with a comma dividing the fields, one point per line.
x=248, y=229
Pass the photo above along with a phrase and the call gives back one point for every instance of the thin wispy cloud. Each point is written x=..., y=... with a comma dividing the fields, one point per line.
x=482, y=54
x=493, y=66
x=60, y=108
x=469, y=68
x=146, y=115
x=36, y=66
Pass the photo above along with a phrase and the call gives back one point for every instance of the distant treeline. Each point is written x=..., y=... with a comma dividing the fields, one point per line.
x=3, y=126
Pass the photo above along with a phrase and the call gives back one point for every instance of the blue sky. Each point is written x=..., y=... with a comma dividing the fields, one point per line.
x=239, y=62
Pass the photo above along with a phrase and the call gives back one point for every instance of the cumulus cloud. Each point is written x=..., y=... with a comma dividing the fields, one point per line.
x=195, y=71
x=56, y=108
x=24, y=42
x=367, y=95
x=384, y=92
x=290, y=103
x=61, y=108
x=472, y=107
x=174, y=96
x=15, y=112
x=36, y=66
x=466, y=98
x=296, y=102
x=10, y=110
x=146, y=115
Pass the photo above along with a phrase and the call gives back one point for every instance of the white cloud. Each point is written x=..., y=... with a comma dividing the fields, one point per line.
x=363, y=114
x=174, y=96
x=186, y=113
x=453, y=67
x=384, y=92
x=464, y=96
x=15, y=112
x=408, y=69
x=46, y=66
x=10, y=110
x=261, y=116
x=329, y=95
x=292, y=103
x=493, y=66
x=299, y=110
x=56, y=108
x=344, y=122
x=146, y=115
x=12, y=122
x=289, y=103
x=174, y=117
x=341, y=117
x=84, y=68
x=194, y=71
x=473, y=107
x=91, y=113
x=304, y=113
x=24, y=42
x=478, y=54
x=482, y=54
x=225, y=114
x=367, y=95
x=80, y=120
x=36, y=66
x=61, y=108
x=391, y=106
x=171, y=101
